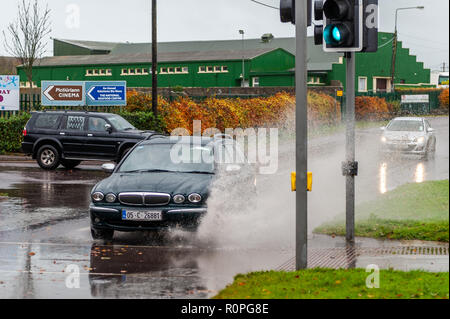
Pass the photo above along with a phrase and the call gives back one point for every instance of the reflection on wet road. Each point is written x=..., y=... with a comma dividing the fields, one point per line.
x=44, y=227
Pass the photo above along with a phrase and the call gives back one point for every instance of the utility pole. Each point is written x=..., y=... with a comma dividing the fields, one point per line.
x=243, y=58
x=301, y=128
x=395, y=43
x=444, y=67
x=154, y=60
x=296, y=12
x=350, y=167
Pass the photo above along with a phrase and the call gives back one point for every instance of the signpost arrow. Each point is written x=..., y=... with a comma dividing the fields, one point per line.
x=47, y=93
x=64, y=93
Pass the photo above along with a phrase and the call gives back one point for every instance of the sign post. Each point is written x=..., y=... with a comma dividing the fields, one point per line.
x=63, y=93
x=106, y=93
x=350, y=167
x=302, y=137
x=9, y=93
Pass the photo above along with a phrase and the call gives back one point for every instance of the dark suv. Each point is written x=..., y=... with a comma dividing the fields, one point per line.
x=67, y=138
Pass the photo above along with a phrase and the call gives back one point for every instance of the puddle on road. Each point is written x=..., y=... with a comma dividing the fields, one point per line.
x=121, y=271
x=37, y=198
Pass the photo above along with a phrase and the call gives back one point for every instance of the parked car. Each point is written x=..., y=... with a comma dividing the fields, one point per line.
x=150, y=191
x=67, y=138
x=409, y=135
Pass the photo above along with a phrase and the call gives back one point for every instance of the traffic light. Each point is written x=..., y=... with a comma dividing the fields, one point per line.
x=348, y=25
x=287, y=11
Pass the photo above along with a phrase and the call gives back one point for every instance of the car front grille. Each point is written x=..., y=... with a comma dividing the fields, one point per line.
x=144, y=199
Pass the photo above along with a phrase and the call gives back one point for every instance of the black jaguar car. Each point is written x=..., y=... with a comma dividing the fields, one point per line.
x=162, y=183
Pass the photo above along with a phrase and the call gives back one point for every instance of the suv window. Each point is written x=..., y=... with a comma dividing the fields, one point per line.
x=97, y=124
x=75, y=123
x=47, y=121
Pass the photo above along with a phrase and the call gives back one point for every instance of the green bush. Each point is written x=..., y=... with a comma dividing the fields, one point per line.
x=145, y=121
x=11, y=132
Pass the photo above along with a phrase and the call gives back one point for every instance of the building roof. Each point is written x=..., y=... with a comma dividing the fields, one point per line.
x=318, y=60
x=91, y=45
x=229, y=55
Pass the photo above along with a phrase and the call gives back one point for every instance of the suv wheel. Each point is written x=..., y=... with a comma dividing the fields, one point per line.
x=69, y=164
x=105, y=234
x=48, y=157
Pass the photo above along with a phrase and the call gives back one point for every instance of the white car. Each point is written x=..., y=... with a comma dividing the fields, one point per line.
x=409, y=135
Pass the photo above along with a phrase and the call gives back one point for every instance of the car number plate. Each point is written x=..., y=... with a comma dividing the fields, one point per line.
x=142, y=215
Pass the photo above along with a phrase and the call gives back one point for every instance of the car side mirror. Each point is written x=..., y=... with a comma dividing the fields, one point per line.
x=108, y=167
x=108, y=128
x=430, y=130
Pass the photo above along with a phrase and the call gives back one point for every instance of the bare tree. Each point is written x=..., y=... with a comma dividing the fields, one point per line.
x=24, y=38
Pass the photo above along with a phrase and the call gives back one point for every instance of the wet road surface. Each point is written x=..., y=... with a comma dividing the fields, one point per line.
x=44, y=227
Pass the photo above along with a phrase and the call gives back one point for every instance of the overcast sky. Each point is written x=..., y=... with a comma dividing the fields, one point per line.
x=426, y=31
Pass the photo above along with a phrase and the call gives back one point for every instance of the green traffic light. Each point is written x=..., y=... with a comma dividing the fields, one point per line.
x=336, y=34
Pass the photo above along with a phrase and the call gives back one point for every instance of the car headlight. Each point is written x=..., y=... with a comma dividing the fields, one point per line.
x=383, y=139
x=98, y=196
x=195, y=198
x=111, y=198
x=179, y=199
x=420, y=140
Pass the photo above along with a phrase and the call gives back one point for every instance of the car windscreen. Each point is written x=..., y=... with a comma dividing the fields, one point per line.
x=406, y=126
x=120, y=124
x=183, y=158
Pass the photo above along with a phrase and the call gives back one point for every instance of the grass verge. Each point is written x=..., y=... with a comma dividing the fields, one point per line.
x=337, y=284
x=411, y=212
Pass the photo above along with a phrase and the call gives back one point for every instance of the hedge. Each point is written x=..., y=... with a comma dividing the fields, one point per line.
x=443, y=99
x=11, y=130
x=273, y=111
x=371, y=108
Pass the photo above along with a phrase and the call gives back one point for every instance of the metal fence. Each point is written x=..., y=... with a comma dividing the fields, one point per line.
x=397, y=96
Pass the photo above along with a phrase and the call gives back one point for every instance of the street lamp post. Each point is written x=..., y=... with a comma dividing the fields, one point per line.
x=243, y=58
x=394, y=45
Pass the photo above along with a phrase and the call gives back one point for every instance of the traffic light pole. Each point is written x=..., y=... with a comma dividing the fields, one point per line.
x=350, y=167
x=154, y=59
x=301, y=136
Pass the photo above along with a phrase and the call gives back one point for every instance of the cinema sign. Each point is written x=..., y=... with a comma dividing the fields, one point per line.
x=63, y=93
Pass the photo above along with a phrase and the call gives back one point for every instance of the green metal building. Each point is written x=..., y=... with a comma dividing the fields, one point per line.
x=267, y=62
x=187, y=69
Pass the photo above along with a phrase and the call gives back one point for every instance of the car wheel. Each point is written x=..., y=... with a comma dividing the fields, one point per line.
x=106, y=234
x=69, y=164
x=431, y=152
x=48, y=157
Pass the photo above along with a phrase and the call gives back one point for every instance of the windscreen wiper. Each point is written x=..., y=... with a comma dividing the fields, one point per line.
x=149, y=171
x=198, y=172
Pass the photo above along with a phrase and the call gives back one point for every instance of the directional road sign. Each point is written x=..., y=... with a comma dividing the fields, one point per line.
x=106, y=93
x=62, y=93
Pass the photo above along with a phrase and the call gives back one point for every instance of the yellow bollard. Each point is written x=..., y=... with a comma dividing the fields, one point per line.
x=294, y=181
